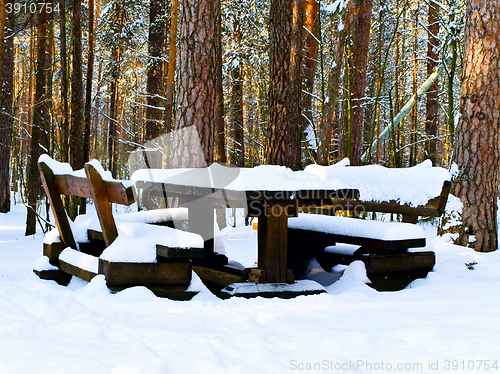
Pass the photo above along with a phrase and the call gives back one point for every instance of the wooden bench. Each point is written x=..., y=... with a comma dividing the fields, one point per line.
x=168, y=273
x=392, y=259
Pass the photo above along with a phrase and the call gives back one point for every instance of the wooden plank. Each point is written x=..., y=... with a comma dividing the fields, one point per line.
x=342, y=193
x=102, y=205
x=217, y=276
x=118, y=193
x=401, y=262
x=144, y=274
x=61, y=218
x=52, y=251
x=71, y=185
x=369, y=244
x=76, y=271
x=59, y=276
x=168, y=252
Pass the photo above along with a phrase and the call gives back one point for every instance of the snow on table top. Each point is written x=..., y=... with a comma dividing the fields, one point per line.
x=156, y=215
x=356, y=227
x=415, y=185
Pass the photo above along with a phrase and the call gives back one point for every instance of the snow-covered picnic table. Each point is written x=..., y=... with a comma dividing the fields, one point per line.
x=274, y=193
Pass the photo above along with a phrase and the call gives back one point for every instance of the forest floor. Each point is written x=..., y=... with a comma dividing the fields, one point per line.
x=448, y=322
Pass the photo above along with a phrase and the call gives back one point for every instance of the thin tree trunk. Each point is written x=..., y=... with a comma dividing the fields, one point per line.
x=39, y=118
x=432, y=104
x=7, y=80
x=155, y=69
x=237, y=98
x=311, y=48
x=477, y=135
x=280, y=28
x=88, y=87
x=219, y=135
x=172, y=55
x=362, y=12
x=113, y=112
x=64, y=85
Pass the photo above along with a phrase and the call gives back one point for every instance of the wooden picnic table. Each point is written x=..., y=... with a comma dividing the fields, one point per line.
x=204, y=189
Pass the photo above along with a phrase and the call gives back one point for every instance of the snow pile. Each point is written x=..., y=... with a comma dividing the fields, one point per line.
x=80, y=260
x=414, y=186
x=356, y=227
x=136, y=242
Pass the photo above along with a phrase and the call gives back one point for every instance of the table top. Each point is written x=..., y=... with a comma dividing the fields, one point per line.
x=270, y=182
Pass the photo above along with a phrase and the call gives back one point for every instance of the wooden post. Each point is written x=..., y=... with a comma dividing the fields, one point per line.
x=102, y=204
x=272, y=244
x=60, y=216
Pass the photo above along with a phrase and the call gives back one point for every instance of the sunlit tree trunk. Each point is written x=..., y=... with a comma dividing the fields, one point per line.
x=477, y=135
x=40, y=117
x=88, y=87
x=64, y=85
x=154, y=71
x=172, y=55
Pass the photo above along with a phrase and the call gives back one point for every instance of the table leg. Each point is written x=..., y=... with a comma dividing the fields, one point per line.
x=272, y=246
x=201, y=221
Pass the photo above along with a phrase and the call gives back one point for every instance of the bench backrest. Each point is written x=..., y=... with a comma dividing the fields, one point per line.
x=56, y=185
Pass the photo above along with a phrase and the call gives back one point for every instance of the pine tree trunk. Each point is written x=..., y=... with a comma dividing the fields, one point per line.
x=88, y=87
x=196, y=90
x=64, y=85
x=280, y=28
x=155, y=69
x=237, y=99
x=172, y=56
x=311, y=48
x=432, y=104
x=477, y=135
x=362, y=12
x=40, y=115
x=113, y=92
x=7, y=80
x=219, y=135
x=295, y=87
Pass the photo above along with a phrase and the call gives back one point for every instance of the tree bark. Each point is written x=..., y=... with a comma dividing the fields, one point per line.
x=64, y=85
x=295, y=119
x=280, y=28
x=311, y=48
x=40, y=115
x=7, y=80
x=172, y=56
x=196, y=98
x=155, y=69
x=432, y=104
x=237, y=98
x=476, y=150
x=219, y=135
x=361, y=21
x=88, y=87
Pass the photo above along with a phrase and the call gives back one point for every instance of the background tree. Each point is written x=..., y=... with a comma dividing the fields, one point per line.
x=476, y=151
x=6, y=92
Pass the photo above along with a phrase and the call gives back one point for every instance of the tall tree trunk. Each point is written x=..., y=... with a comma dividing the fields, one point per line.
x=64, y=85
x=432, y=104
x=311, y=48
x=196, y=98
x=295, y=119
x=360, y=29
x=477, y=135
x=219, y=135
x=172, y=56
x=155, y=68
x=280, y=28
x=237, y=98
x=76, y=159
x=7, y=81
x=40, y=115
x=113, y=93
x=88, y=87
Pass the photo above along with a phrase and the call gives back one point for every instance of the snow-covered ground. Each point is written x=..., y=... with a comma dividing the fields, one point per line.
x=448, y=322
